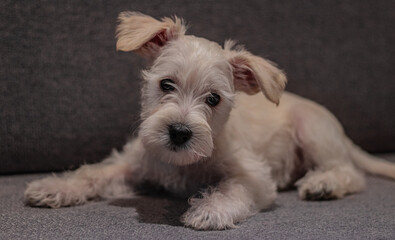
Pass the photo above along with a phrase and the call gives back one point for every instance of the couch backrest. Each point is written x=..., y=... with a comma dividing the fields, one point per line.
x=67, y=97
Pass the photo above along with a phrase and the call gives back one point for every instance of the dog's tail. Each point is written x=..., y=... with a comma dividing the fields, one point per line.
x=369, y=163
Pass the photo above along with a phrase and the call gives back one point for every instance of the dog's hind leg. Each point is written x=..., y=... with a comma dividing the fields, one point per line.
x=323, y=142
x=107, y=179
x=330, y=183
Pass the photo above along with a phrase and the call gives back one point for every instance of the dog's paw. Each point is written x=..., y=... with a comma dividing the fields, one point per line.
x=319, y=187
x=52, y=192
x=207, y=218
x=317, y=195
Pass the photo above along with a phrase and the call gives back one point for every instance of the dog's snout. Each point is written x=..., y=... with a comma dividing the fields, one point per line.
x=179, y=133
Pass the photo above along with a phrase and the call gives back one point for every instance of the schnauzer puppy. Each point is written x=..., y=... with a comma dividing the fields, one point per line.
x=206, y=130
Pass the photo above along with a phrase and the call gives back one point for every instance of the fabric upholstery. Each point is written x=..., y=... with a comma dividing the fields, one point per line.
x=368, y=215
x=67, y=97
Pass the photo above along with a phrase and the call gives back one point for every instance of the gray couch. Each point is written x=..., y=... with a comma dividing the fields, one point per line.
x=67, y=98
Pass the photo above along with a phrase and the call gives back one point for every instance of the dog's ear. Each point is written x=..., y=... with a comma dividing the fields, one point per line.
x=144, y=34
x=252, y=74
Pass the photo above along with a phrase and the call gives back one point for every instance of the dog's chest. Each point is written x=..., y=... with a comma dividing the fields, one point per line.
x=183, y=181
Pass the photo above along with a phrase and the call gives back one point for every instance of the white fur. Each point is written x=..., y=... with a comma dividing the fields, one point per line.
x=241, y=150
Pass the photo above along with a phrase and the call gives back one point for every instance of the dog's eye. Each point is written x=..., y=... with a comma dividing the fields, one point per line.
x=166, y=85
x=213, y=99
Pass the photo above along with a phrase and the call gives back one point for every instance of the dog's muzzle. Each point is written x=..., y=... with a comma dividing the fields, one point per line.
x=179, y=134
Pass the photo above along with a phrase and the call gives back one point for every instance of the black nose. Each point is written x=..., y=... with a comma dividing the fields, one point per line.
x=179, y=134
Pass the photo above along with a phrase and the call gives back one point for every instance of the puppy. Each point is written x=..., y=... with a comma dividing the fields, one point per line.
x=205, y=129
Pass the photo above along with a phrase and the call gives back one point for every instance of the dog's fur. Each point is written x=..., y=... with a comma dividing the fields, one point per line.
x=241, y=150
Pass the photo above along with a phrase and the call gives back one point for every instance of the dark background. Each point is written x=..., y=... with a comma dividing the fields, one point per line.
x=67, y=96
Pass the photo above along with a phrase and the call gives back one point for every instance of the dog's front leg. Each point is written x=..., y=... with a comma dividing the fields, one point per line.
x=248, y=190
x=111, y=178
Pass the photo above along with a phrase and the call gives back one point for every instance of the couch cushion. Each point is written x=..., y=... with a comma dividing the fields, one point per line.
x=68, y=97
x=367, y=215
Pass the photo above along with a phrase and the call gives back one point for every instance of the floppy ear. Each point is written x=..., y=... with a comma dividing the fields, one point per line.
x=144, y=34
x=252, y=74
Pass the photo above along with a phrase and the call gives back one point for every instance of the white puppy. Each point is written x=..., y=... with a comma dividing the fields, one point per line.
x=204, y=130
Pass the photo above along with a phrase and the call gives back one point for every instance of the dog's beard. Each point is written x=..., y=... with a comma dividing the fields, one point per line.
x=155, y=137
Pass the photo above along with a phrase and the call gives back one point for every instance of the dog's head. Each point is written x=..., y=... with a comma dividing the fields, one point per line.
x=190, y=85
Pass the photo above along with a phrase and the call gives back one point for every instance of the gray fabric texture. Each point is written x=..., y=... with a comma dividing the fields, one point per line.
x=368, y=215
x=67, y=97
